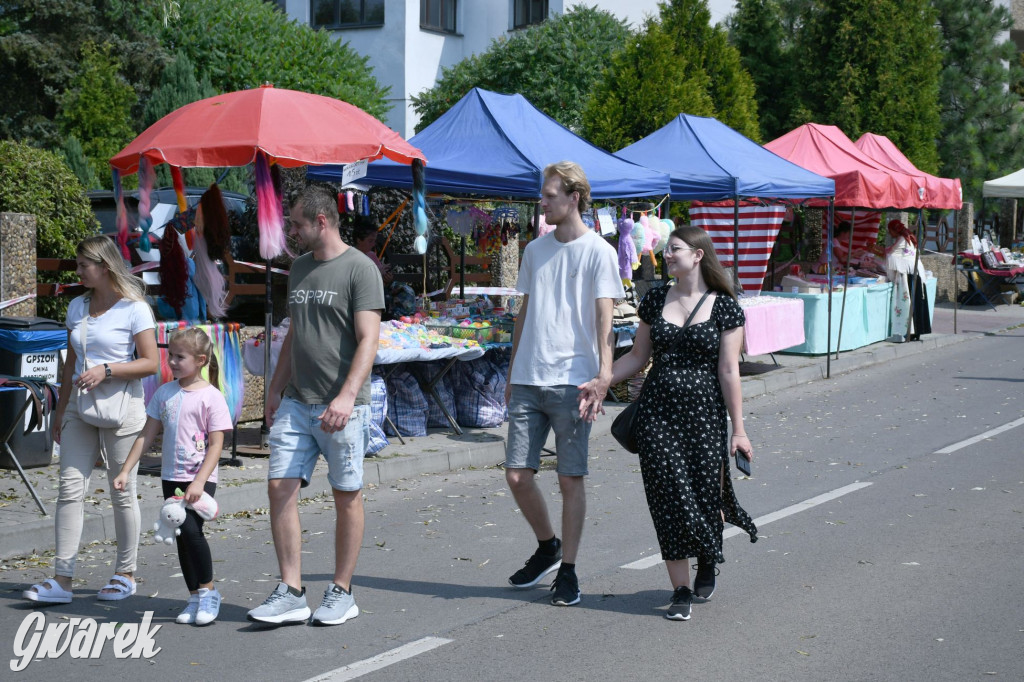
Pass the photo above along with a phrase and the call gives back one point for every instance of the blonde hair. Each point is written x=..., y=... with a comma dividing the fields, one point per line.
x=711, y=269
x=197, y=342
x=573, y=180
x=102, y=250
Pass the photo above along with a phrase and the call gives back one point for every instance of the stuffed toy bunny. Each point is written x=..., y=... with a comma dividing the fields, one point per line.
x=172, y=515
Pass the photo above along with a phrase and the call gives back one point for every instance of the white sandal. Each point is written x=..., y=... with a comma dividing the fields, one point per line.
x=48, y=592
x=124, y=586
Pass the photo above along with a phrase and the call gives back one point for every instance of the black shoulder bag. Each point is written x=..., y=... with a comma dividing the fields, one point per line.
x=624, y=425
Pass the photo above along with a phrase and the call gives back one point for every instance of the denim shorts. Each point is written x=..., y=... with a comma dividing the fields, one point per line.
x=533, y=411
x=296, y=441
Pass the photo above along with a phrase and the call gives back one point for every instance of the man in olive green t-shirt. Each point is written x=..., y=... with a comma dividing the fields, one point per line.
x=319, y=403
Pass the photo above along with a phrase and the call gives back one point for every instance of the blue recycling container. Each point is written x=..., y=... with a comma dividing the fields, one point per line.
x=29, y=347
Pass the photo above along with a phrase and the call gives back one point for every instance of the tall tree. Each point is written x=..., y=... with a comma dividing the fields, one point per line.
x=758, y=32
x=677, y=64
x=981, y=117
x=646, y=85
x=706, y=47
x=873, y=66
x=40, y=48
x=96, y=109
x=240, y=44
x=553, y=64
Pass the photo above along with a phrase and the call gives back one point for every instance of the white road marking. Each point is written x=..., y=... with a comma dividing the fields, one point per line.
x=980, y=437
x=360, y=668
x=655, y=559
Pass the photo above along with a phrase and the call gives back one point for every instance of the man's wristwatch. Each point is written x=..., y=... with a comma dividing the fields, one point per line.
x=106, y=371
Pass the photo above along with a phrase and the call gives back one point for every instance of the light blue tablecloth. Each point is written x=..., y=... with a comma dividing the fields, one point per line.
x=866, y=318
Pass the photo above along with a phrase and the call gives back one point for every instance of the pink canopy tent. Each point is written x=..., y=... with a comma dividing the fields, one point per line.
x=860, y=181
x=941, y=193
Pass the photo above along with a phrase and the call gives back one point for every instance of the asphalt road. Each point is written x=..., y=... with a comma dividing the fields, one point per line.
x=890, y=546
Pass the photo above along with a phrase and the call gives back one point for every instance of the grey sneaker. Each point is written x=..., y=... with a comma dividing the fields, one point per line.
x=189, y=614
x=209, y=606
x=337, y=607
x=281, y=607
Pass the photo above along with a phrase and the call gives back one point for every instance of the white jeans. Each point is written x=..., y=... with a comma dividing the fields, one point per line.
x=80, y=445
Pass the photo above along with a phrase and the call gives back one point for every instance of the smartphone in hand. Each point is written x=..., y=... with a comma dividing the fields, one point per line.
x=742, y=463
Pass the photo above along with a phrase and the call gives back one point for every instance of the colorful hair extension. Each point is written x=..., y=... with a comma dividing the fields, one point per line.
x=270, y=214
x=122, y=216
x=209, y=280
x=173, y=271
x=216, y=231
x=419, y=211
x=179, y=188
x=146, y=174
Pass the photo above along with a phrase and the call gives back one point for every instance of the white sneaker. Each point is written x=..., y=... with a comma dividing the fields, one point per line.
x=209, y=606
x=189, y=614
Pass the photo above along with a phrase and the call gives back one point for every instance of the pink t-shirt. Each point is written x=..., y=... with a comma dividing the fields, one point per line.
x=188, y=418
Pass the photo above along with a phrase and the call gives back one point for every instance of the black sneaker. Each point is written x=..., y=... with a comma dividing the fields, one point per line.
x=537, y=566
x=679, y=609
x=566, y=589
x=704, y=582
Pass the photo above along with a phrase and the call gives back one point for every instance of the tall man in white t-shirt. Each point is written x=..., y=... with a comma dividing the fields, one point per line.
x=562, y=340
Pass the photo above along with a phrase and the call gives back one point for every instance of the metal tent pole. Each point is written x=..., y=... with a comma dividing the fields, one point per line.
x=846, y=279
x=828, y=274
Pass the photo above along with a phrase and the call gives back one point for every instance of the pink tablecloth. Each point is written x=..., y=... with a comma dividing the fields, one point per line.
x=773, y=323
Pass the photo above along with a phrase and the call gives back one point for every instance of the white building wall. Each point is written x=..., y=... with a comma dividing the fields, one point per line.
x=409, y=60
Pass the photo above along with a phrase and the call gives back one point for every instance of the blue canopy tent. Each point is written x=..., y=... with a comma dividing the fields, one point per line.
x=498, y=145
x=709, y=161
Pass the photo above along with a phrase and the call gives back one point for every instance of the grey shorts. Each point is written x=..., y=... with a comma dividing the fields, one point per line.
x=532, y=412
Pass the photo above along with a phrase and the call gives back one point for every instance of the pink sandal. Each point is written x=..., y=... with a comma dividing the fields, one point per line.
x=48, y=592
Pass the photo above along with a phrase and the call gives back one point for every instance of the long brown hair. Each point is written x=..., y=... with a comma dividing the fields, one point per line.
x=711, y=269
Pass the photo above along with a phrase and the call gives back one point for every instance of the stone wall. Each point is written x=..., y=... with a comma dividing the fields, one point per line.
x=18, y=262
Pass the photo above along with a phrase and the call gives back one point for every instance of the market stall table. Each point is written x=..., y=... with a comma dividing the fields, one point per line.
x=773, y=323
x=390, y=359
x=867, y=317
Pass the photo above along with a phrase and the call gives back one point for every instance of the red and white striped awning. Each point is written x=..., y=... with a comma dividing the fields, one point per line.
x=865, y=228
x=759, y=226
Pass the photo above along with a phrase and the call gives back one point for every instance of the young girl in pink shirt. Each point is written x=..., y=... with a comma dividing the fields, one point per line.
x=193, y=416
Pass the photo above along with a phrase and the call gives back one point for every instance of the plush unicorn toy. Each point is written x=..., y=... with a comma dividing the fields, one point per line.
x=628, y=260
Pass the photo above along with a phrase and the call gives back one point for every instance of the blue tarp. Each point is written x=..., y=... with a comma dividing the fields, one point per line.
x=498, y=145
x=710, y=161
x=24, y=341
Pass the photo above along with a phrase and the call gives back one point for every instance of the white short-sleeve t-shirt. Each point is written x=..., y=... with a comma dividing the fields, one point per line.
x=111, y=336
x=558, y=345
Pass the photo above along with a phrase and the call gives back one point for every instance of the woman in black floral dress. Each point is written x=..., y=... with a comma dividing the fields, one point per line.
x=681, y=418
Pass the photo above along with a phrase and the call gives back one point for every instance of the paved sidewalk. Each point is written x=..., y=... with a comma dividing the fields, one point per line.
x=24, y=531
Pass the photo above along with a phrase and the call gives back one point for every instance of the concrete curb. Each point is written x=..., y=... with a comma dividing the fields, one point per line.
x=479, y=449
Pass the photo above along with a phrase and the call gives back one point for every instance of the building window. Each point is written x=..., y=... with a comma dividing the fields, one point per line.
x=280, y=5
x=438, y=15
x=529, y=12
x=346, y=13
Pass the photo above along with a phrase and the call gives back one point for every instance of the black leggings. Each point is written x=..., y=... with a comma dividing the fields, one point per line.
x=193, y=550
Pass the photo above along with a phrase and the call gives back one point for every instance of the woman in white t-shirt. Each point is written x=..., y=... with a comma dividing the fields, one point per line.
x=121, y=346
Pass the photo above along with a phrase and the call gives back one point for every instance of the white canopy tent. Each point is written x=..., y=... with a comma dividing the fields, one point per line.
x=1009, y=186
